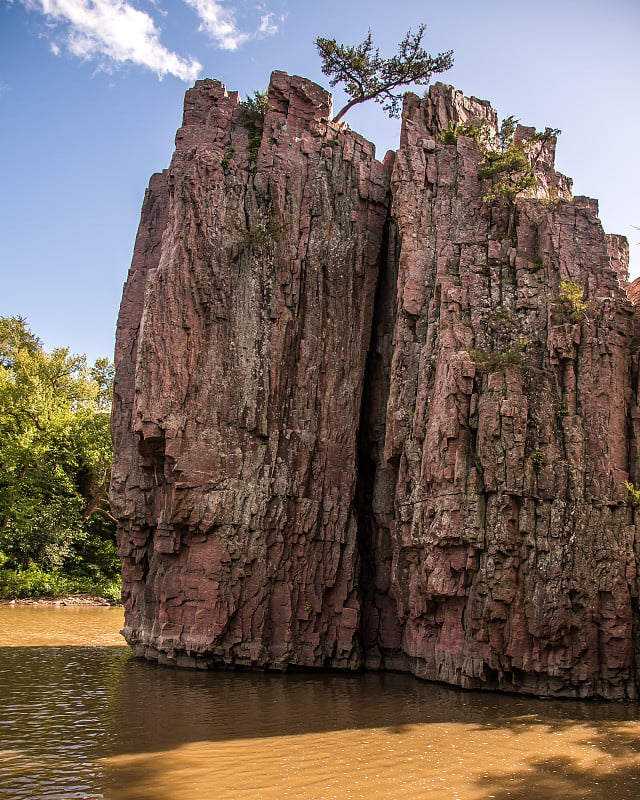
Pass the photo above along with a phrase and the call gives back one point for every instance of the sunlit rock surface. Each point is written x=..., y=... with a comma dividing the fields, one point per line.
x=502, y=550
x=357, y=420
x=241, y=351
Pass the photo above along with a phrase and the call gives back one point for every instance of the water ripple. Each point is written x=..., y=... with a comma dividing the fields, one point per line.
x=57, y=720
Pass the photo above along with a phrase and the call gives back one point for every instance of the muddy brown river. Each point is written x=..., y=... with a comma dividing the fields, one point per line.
x=80, y=718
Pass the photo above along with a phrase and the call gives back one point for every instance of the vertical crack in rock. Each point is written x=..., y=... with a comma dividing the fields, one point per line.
x=380, y=631
x=360, y=432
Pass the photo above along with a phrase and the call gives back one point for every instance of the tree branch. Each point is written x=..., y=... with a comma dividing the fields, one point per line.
x=367, y=76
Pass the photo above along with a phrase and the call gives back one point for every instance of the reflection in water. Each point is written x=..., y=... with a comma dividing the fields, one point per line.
x=57, y=719
x=227, y=735
x=82, y=722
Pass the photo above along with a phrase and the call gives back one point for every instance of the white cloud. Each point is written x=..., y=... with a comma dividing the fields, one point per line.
x=267, y=26
x=220, y=24
x=116, y=32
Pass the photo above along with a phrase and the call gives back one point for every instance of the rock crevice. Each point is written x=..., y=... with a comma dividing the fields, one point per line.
x=364, y=418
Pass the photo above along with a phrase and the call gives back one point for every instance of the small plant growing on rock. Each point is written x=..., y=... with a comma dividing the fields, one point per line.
x=255, y=110
x=495, y=360
x=227, y=158
x=570, y=300
x=510, y=172
x=473, y=130
x=537, y=460
x=512, y=165
x=501, y=315
x=562, y=411
x=552, y=199
x=256, y=238
x=536, y=264
x=634, y=493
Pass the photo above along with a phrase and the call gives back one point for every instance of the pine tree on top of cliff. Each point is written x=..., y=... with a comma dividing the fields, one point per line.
x=367, y=76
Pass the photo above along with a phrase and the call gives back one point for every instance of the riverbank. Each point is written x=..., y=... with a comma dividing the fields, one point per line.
x=71, y=600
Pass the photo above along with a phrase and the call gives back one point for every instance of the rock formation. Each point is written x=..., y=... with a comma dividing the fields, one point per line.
x=364, y=418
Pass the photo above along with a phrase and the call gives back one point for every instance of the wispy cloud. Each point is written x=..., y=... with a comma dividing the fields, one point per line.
x=267, y=25
x=219, y=22
x=114, y=32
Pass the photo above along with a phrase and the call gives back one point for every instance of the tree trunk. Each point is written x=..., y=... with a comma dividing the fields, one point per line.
x=97, y=498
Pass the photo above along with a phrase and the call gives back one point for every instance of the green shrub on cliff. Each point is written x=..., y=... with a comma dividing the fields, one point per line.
x=511, y=167
x=495, y=360
x=634, y=493
x=255, y=110
x=478, y=131
x=510, y=172
x=570, y=300
x=538, y=459
x=257, y=237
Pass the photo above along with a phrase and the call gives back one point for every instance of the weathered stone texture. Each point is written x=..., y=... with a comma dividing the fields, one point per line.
x=239, y=383
x=352, y=435
x=633, y=291
x=510, y=548
x=618, y=249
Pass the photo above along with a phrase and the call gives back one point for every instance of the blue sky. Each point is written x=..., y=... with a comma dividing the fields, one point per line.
x=91, y=96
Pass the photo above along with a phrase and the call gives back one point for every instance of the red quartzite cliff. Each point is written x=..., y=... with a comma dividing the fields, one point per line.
x=364, y=418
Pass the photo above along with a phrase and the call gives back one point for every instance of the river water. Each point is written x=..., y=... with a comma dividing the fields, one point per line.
x=80, y=718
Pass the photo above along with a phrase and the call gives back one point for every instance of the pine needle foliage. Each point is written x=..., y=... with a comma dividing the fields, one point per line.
x=478, y=131
x=365, y=75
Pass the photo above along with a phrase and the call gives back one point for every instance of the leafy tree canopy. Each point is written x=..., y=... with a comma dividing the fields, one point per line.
x=365, y=75
x=55, y=454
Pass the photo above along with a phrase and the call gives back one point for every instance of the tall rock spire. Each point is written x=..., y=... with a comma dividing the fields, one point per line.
x=365, y=415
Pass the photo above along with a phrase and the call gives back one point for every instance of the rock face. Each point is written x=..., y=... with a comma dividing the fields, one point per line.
x=633, y=289
x=503, y=549
x=364, y=418
x=241, y=350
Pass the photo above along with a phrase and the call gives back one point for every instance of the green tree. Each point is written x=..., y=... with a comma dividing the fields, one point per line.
x=365, y=75
x=14, y=336
x=255, y=110
x=55, y=455
x=103, y=373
